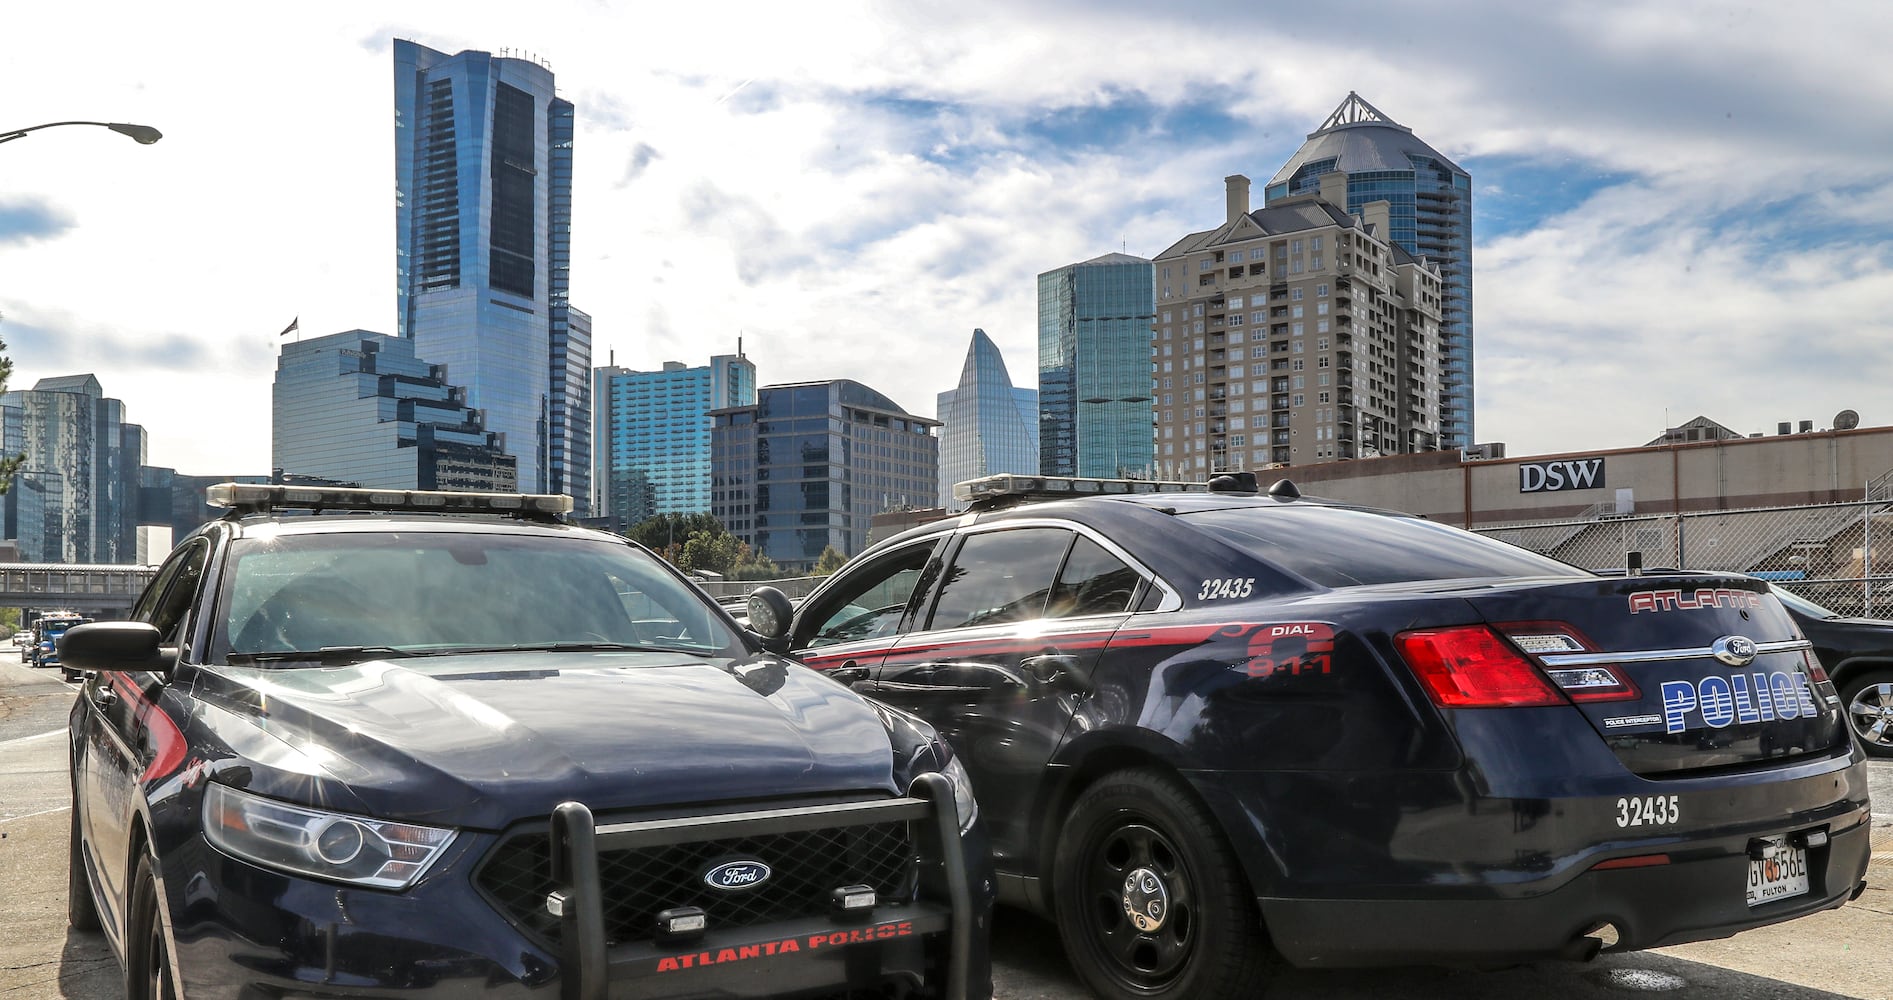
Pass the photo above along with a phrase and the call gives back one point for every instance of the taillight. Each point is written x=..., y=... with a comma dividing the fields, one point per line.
x=1553, y=645
x=1816, y=672
x=1473, y=667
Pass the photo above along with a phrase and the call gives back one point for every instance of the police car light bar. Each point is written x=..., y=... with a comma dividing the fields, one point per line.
x=257, y=498
x=1005, y=485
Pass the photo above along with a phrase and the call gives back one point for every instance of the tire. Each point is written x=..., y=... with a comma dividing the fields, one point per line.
x=1201, y=937
x=147, y=952
x=1867, y=701
x=81, y=912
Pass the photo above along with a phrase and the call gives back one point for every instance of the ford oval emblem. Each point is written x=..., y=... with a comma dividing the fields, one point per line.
x=743, y=873
x=1734, y=650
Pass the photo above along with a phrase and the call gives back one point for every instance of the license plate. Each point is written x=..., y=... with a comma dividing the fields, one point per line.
x=1779, y=875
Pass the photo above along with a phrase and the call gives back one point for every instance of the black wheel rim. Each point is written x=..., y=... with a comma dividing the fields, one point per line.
x=1153, y=957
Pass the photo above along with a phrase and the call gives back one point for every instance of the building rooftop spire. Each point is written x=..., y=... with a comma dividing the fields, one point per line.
x=1355, y=111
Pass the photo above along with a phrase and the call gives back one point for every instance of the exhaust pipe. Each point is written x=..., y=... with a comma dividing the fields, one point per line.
x=1586, y=946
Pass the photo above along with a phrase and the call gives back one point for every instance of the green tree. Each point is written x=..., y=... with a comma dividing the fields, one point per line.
x=715, y=551
x=829, y=561
x=756, y=566
x=667, y=534
x=9, y=464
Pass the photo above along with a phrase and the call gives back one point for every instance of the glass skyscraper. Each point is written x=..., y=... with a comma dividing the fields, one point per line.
x=653, y=437
x=808, y=465
x=987, y=426
x=1094, y=368
x=75, y=498
x=360, y=407
x=483, y=175
x=1431, y=217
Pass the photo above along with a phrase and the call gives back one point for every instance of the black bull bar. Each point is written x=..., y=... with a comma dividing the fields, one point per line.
x=591, y=965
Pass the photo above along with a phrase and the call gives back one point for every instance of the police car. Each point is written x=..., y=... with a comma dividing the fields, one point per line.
x=1209, y=727
x=427, y=744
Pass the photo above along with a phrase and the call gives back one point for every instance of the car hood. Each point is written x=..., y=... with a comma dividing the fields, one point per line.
x=482, y=740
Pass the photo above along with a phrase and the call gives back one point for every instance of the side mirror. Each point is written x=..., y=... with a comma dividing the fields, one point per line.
x=769, y=613
x=123, y=646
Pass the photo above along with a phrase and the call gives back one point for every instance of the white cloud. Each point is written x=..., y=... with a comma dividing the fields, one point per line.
x=758, y=174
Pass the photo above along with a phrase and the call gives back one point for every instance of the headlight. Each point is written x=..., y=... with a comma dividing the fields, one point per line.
x=963, y=800
x=322, y=844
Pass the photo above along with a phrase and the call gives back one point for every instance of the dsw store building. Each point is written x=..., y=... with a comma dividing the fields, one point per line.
x=1813, y=510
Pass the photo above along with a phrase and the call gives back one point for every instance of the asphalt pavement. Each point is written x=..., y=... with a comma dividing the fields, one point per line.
x=1845, y=953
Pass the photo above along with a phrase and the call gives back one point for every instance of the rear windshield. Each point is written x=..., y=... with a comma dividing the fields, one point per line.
x=1337, y=547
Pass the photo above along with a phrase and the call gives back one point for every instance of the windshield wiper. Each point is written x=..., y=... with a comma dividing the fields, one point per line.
x=327, y=655
x=563, y=647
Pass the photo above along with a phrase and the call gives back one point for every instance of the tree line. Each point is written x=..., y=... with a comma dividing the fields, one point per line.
x=701, y=542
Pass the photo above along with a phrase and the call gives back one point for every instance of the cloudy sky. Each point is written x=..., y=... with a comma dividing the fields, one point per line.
x=1679, y=208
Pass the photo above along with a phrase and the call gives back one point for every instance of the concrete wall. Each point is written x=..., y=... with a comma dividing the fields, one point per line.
x=1815, y=467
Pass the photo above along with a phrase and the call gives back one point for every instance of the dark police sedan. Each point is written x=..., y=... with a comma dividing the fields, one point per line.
x=1208, y=728
x=453, y=745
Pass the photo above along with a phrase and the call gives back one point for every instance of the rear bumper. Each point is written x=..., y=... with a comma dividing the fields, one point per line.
x=1686, y=900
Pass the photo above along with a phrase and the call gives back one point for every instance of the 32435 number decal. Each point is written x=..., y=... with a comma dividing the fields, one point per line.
x=1212, y=590
x=1649, y=810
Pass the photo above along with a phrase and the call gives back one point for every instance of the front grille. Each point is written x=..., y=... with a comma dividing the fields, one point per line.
x=636, y=884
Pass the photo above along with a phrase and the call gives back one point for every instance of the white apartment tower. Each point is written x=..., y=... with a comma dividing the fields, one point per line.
x=1291, y=335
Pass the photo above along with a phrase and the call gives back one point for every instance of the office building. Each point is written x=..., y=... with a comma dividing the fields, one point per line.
x=360, y=407
x=987, y=425
x=1429, y=201
x=1094, y=368
x=1292, y=335
x=483, y=165
x=653, y=435
x=74, y=497
x=808, y=465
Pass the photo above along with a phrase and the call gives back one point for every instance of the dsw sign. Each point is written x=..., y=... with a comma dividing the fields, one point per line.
x=1550, y=477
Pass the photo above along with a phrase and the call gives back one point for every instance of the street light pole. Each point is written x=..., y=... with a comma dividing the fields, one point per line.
x=144, y=135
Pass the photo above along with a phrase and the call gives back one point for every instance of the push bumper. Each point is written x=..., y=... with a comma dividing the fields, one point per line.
x=929, y=943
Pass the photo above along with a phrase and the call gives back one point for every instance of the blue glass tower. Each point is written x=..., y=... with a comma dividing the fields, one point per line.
x=987, y=425
x=75, y=498
x=808, y=465
x=483, y=175
x=653, y=438
x=1430, y=199
x=1094, y=368
x=359, y=407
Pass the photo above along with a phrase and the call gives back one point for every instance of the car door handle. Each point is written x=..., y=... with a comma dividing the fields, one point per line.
x=1052, y=667
x=850, y=673
x=105, y=698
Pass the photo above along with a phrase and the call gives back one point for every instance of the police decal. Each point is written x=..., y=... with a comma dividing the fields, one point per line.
x=1722, y=701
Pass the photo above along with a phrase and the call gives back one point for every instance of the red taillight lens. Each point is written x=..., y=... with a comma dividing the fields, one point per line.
x=1816, y=672
x=1472, y=667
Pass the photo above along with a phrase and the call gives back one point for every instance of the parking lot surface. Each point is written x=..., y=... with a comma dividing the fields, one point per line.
x=1842, y=953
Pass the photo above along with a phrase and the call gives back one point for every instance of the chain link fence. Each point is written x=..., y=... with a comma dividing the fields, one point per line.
x=1837, y=555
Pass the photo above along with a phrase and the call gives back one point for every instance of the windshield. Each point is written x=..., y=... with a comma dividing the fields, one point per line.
x=422, y=592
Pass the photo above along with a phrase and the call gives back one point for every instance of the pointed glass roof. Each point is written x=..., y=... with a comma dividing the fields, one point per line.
x=1359, y=137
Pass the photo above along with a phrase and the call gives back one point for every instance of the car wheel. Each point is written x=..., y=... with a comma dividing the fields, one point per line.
x=81, y=912
x=1868, y=701
x=1150, y=901
x=147, y=954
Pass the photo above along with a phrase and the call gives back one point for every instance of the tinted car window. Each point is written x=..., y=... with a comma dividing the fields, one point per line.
x=442, y=590
x=1092, y=582
x=180, y=592
x=872, y=603
x=1000, y=576
x=1337, y=547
